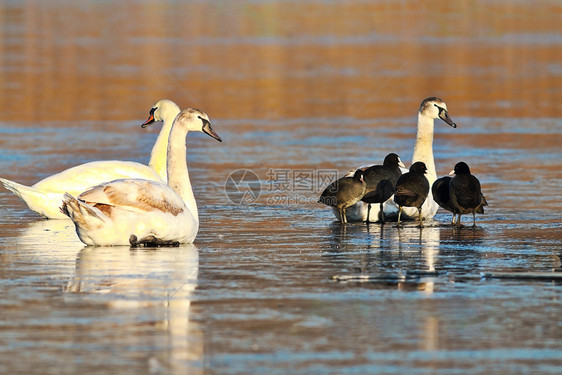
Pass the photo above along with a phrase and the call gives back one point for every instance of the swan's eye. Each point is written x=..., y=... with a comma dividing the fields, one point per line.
x=204, y=120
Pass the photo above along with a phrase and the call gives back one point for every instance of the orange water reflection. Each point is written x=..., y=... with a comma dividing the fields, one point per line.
x=96, y=61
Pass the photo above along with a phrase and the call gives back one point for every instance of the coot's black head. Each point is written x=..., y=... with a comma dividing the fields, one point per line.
x=358, y=175
x=462, y=168
x=392, y=161
x=418, y=167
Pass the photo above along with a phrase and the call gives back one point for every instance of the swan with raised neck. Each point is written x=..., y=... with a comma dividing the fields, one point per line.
x=430, y=109
x=163, y=110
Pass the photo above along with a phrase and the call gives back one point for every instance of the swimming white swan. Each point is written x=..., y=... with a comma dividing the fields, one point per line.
x=137, y=211
x=45, y=197
x=430, y=109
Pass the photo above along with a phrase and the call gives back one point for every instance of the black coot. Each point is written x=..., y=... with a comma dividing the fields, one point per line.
x=344, y=192
x=380, y=180
x=412, y=189
x=465, y=194
x=440, y=192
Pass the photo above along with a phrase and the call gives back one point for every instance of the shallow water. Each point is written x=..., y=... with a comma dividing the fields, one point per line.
x=298, y=92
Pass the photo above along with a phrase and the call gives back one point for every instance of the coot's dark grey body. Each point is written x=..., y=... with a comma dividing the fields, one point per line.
x=412, y=189
x=344, y=192
x=465, y=194
x=440, y=192
x=380, y=180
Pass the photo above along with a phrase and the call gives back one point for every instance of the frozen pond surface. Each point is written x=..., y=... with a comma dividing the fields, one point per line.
x=322, y=87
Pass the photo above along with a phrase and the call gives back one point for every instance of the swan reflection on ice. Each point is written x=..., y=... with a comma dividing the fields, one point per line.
x=408, y=249
x=142, y=292
x=154, y=284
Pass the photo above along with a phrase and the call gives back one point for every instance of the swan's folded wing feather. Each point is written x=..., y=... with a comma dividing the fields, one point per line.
x=136, y=195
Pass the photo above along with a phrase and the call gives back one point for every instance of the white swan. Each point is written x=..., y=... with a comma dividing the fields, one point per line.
x=137, y=211
x=430, y=109
x=45, y=197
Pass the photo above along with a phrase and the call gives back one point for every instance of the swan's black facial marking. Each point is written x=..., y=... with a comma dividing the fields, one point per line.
x=426, y=103
x=441, y=109
x=207, y=129
x=444, y=115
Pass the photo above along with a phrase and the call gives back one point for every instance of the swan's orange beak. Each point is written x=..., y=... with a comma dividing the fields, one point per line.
x=150, y=119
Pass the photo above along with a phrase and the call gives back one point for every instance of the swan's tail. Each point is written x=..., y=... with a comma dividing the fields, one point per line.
x=44, y=203
x=80, y=212
x=24, y=192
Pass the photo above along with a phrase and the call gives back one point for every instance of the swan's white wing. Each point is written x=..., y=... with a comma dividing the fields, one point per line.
x=77, y=179
x=135, y=195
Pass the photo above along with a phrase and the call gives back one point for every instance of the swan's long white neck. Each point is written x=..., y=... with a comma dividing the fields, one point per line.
x=423, y=150
x=178, y=176
x=158, y=157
